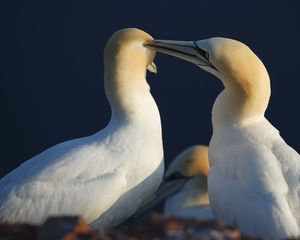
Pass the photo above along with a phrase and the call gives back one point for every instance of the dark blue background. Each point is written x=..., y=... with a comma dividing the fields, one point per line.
x=51, y=67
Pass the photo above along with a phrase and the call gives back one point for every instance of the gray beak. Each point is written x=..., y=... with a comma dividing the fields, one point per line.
x=186, y=50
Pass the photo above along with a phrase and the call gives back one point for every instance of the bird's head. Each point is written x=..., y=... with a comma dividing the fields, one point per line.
x=246, y=80
x=190, y=163
x=126, y=49
x=230, y=60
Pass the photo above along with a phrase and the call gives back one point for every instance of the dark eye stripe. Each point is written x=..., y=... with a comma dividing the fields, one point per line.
x=175, y=176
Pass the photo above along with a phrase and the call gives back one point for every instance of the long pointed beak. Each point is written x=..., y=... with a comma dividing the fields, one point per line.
x=165, y=190
x=186, y=50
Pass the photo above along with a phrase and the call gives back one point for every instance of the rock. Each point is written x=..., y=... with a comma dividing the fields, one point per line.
x=154, y=226
x=160, y=227
x=17, y=232
x=65, y=228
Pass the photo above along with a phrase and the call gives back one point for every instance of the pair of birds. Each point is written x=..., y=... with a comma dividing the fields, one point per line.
x=253, y=182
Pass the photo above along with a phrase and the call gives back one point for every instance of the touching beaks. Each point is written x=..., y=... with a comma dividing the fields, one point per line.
x=186, y=50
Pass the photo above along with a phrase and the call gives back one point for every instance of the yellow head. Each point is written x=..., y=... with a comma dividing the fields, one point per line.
x=125, y=50
x=191, y=162
x=246, y=80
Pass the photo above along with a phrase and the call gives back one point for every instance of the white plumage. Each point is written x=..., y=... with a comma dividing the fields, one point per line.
x=254, y=178
x=105, y=177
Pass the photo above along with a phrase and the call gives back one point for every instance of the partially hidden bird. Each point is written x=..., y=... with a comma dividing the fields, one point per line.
x=107, y=176
x=253, y=182
x=184, y=187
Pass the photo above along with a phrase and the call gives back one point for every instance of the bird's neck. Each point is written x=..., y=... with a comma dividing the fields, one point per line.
x=129, y=96
x=238, y=106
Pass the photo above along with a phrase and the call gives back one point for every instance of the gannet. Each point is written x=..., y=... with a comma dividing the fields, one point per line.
x=254, y=178
x=107, y=176
x=191, y=168
x=184, y=187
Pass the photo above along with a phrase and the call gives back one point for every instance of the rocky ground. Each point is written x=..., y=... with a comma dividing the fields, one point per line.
x=153, y=226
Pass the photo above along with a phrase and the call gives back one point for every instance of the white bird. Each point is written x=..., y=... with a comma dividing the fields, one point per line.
x=107, y=176
x=254, y=178
x=184, y=187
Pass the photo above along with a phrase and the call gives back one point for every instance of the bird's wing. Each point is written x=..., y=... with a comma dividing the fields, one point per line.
x=290, y=164
x=34, y=201
x=78, y=158
x=247, y=189
x=73, y=177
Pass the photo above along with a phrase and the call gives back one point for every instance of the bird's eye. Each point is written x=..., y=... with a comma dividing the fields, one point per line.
x=206, y=55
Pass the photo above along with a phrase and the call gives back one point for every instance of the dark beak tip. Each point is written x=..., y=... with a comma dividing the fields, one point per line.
x=153, y=43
